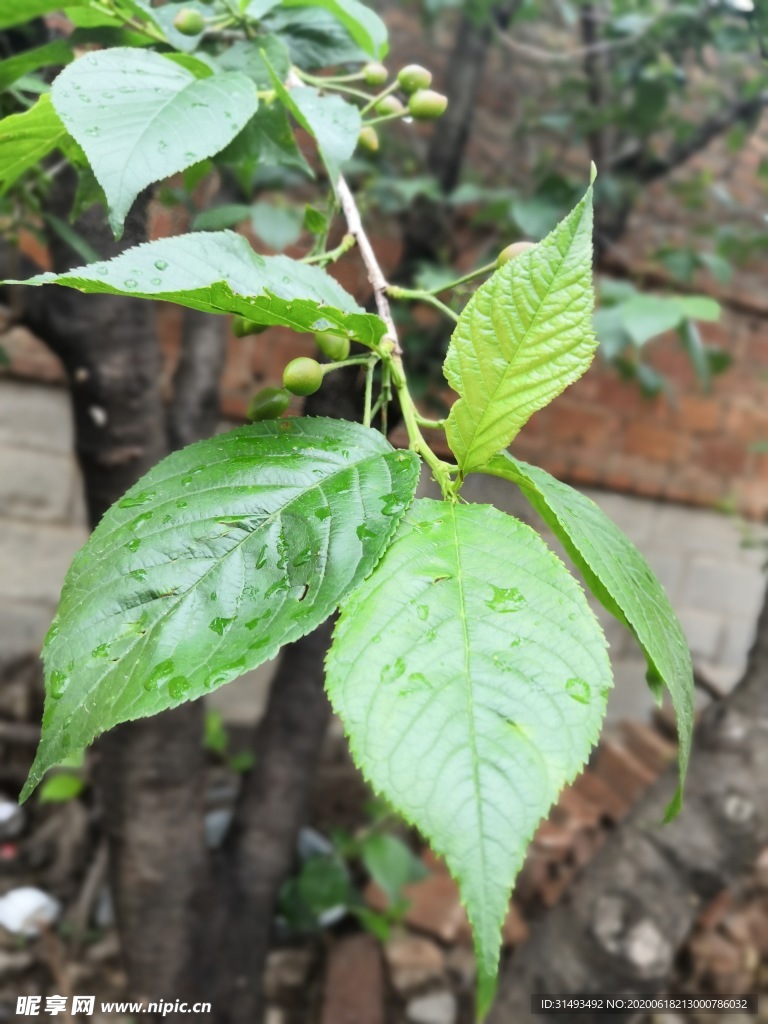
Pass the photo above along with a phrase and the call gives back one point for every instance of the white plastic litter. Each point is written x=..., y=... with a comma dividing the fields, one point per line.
x=27, y=910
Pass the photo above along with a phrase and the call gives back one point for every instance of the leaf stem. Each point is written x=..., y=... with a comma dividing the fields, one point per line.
x=487, y=268
x=367, y=414
x=420, y=295
x=347, y=243
x=396, y=116
x=353, y=361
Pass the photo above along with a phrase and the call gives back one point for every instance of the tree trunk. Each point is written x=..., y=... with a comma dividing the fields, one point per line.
x=259, y=852
x=149, y=773
x=618, y=929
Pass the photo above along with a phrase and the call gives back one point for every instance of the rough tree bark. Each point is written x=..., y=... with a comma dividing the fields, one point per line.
x=619, y=927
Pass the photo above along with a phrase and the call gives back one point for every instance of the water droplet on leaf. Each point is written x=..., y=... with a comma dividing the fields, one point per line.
x=505, y=599
x=579, y=689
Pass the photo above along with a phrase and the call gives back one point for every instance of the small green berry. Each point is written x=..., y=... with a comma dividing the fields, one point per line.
x=413, y=77
x=390, y=105
x=425, y=105
x=303, y=376
x=511, y=251
x=334, y=346
x=189, y=22
x=375, y=74
x=368, y=139
x=242, y=328
x=268, y=404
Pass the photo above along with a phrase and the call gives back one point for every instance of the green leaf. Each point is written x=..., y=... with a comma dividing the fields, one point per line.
x=30, y=60
x=314, y=38
x=16, y=12
x=646, y=316
x=26, y=138
x=619, y=576
x=471, y=677
x=391, y=864
x=60, y=788
x=364, y=25
x=154, y=118
x=332, y=122
x=267, y=139
x=521, y=339
x=246, y=56
x=217, y=557
x=218, y=272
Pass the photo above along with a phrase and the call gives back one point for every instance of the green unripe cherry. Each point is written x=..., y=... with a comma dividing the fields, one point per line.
x=268, y=404
x=303, y=376
x=242, y=327
x=375, y=74
x=413, y=77
x=426, y=104
x=390, y=105
x=335, y=346
x=189, y=22
x=511, y=251
x=369, y=139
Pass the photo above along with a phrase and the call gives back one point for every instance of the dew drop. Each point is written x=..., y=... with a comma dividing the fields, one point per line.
x=505, y=599
x=278, y=585
x=262, y=558
x=138, y=574
x=302, y=558
x=166, y=519
x=418, y=679
x=376, y=639
x=220, y=624
x=181, y=504
x=363, y=533
x=93, y=132
x=391, y=672
x=131, y=282
x=252, y=624
x=134, y=545
x=579, y=689
x=59, y=683
x=102, y=651
x=163, y=670
x=137, y=499
x=322, y=513
x=423, y=612
x=161, y=264
x=155, y=280
x=178, y=686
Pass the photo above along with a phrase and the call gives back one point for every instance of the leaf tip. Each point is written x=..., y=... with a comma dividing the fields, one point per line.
x=675, y=805
x=592, y=172
x=486, y=990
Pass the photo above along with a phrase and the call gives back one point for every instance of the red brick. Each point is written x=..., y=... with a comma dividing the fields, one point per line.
x=723, y=457
x=658, y=444
x=700, y=415
x=354, y=983
x=622, y=770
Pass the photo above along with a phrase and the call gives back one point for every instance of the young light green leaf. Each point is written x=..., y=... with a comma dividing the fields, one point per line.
x=391, y=864
x=620, y=578
x=50, y=55
x=471, y=677
x=219, y=272
x=26, y=138
x=521, y=339
x=364, y=25
x=140, y=117
x=333, y=123
x=221, y=554
x=16, y=12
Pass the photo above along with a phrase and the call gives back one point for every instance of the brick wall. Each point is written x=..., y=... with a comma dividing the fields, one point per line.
x=687, y=446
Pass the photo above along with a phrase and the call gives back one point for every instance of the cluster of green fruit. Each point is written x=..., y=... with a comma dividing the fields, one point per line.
x=302, y=376
x=414, y=81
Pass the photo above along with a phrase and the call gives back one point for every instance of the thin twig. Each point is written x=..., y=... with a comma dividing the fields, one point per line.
x=375, y=274
x=81, y=912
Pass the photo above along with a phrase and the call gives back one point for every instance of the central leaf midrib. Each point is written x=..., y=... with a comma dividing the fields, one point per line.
x=469, y=696
x=510, y=363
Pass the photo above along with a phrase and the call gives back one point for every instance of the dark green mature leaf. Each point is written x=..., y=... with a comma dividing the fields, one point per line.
x=50, y=55
x=219, y=272
x=16, y=12
x=221, y=554
x=314, y=37
x=26, y=138
x=471, y=677
x=521, y=339
x=364, y=25
x=154, y=118
x=334, y=123
x=620, y=578
x=246, y=56
x=266, y=140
